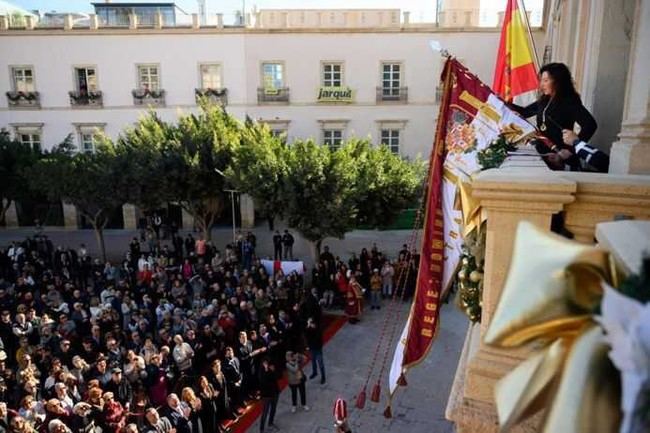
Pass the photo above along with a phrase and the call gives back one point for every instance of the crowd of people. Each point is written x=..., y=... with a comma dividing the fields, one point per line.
x=176, y=338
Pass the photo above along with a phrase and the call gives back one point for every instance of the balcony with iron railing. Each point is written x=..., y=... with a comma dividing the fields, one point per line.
x=83, y=99
x=217, y=96
x=146, y=97
x=27, y=99
x=392, y=94
x=277, y=95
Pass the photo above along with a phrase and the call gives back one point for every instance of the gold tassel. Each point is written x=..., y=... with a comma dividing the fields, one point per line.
x=387, y=412
x=402, y=380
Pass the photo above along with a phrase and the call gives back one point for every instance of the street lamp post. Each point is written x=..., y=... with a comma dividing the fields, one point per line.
x=232, y=204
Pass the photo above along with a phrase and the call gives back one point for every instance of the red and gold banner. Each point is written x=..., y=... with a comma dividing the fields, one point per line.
x=515, y=72
x=424, y=315
x=471, y=116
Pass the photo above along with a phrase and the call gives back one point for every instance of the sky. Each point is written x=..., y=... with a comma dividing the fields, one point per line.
x=417, y=7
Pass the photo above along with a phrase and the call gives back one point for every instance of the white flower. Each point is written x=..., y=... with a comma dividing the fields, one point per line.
x=627, y=323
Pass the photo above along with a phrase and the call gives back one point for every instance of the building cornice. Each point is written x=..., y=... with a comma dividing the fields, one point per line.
x=411, y=29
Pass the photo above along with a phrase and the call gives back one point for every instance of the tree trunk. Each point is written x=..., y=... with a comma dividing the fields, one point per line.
x=270, y=220
x=315, y=250
x=5, y=208
x=205, y=226
x=99, y=234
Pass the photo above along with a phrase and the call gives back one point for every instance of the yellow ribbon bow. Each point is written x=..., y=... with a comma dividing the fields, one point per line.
x=549, y=298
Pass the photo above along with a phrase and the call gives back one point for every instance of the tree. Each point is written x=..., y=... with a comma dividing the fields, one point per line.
x=386, y=183
x=319, y=192
x=92, y=181
x=15, y=160
x=326, y=192
x=259, y=168
x=181, y=162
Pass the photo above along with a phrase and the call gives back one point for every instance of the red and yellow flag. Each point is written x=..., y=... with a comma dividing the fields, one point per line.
x=515, y=71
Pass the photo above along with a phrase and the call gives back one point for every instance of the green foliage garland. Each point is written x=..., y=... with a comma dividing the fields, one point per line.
x=494, y=155
x=470, y=277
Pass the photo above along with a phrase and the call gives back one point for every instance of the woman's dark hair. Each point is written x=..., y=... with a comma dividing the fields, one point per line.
x=562, y=81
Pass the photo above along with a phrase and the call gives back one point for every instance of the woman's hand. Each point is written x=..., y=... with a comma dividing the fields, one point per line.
x=569, y=137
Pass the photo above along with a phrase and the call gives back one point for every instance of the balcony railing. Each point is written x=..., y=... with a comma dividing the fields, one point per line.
x=217, y=96
x=154, y=98
x=392, y=94
x=86, y=99
x=24, y=99
x=267, y=95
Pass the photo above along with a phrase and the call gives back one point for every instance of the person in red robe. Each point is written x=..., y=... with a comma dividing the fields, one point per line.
x=354, y=300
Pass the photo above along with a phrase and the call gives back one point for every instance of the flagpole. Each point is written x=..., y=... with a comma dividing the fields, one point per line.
x=530, y=33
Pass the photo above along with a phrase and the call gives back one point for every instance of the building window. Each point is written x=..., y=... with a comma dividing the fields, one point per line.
x=391, y=74
x=86, y=79
x=332, y=138
x=88, y=136
x=332, y=75
x=29, y=135
x=210, y=76
x=148, y=77
x=23, y=79
x=273, y=75
x=390, y=138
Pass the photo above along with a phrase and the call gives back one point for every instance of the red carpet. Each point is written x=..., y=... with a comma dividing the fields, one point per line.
x=332, y=325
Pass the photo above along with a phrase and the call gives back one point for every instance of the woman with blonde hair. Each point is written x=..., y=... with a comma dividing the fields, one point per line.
x=209, y=407
x=190, y=402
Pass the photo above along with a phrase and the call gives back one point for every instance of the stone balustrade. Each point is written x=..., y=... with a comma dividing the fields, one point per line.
x=524, y=189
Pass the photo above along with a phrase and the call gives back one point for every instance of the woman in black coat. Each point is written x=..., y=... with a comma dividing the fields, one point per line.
x=559, y=107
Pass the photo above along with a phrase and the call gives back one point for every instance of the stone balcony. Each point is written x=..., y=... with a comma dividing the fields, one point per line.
x=22, y=100
x=148, y=98
x=279, y=95
x=524, y=189
x=216, y=96
x=86, y=99
x=398, y=95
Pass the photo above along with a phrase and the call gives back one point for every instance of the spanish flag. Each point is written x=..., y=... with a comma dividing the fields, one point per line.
x=515, y=71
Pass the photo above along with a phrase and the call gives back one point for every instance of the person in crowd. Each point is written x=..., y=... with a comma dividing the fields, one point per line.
x=314, y=337
x=354, y=301
x=375, y=290
x=387, y=275
x=269, y=391
x=296, y=380
x=155, y=423
x=287, y=243
x=277, y=246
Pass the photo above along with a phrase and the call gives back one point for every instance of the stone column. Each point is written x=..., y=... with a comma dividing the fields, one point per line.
x=133, y=21
x=4, y=22
x=220, y=21
x=407, y=18
x=247, y=210
x=70, y=216
x=158, y=20
x=29, y=22
x=130, y=217
x=196, y=21
x=631, y=154
x=68, y=22
x=93, y=22
x=11, y=216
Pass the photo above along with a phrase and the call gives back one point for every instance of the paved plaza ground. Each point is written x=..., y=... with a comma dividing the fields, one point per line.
x=418, y=408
